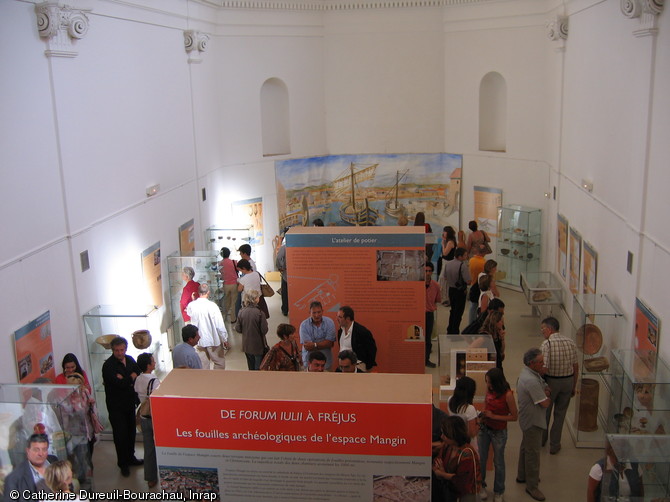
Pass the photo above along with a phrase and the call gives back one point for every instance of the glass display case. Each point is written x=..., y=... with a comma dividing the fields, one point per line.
x=465, y=355
x=205, y=266
x=639, y=393
x=541, y=289
x=596, y=324
x=519, y=242
x=27, y=409
x=232, y=238
x=141, y=328
x=650, y=455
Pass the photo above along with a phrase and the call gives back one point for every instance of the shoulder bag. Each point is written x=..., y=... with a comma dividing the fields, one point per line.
x=266, y=289
x=487, y=246
x=144, y=409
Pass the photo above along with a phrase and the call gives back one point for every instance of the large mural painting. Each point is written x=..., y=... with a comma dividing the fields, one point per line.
x=370, y=190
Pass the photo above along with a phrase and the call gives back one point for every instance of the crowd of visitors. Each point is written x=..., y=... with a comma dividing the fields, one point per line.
x=463, y=436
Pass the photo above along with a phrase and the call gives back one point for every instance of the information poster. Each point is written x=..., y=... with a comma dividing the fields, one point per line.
x=187, y=238
x=377, y=271
x=563, y=247
x=647, y=327
x=590, y=268
x=487, y=202
x=34, y=350
x=288, y=436
x=575, y=245
x=249, y=214
x=151, y=269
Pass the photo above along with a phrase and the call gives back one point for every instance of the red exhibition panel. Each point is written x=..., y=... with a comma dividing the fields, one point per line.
x=289, y=426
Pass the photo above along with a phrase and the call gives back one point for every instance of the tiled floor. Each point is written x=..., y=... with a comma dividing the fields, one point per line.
x=564, y=476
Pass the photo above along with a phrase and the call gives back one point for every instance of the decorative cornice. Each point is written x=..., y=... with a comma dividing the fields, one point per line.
x=647, y=11
x=337, y=5
x=61, y=26
x=195, y=44
x=557, y=30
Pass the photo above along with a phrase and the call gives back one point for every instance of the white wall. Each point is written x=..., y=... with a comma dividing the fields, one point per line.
x=608, y=76
x=83, y=137
x=384, y=81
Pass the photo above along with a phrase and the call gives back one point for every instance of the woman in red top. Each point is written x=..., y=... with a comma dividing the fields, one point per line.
x=458, y=462
x=71, y=365
x=499, y=409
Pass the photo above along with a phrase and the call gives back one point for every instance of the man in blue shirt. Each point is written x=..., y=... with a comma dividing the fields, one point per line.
x=317, y=333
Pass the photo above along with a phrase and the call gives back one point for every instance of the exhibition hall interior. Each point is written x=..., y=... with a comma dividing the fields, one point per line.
x=140, y=137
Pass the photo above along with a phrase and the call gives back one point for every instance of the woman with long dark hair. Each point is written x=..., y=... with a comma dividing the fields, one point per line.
x=460, y=404
x=458, y=462
x=71, y=365
x=499, y=409
x=494, y=325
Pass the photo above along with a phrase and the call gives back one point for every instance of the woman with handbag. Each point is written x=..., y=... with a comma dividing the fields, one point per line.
x=285, y=354
x=80, y=418
x=249, y=280
x=253, y=325
x=458, y=462
x=476, y=238
x=145, y=384
x=446, y=254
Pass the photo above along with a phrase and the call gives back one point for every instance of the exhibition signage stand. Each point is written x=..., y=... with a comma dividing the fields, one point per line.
x=378, y=271
x=293, y=436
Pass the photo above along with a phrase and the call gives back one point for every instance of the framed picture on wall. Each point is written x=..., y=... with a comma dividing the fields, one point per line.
x=575, y=257
x=647, y=327
x=590, y=268
x=563, y=247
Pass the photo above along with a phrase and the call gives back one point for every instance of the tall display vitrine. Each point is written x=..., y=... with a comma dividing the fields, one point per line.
x=26, y=409
x=103, y=322
x=649, y=455
x=205, y=266
x=596, y=325
x=639, y=393
x=519, y=243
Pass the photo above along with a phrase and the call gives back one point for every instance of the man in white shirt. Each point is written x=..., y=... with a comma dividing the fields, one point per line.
x=206, y=316
x=560, y=361
x=354, y=336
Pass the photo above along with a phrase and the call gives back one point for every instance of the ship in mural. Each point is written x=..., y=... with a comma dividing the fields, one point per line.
x=393, y=206
x=369, y=189
x=356, y=212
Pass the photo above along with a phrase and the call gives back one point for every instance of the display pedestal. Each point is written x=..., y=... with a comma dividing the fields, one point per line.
x=249, y=435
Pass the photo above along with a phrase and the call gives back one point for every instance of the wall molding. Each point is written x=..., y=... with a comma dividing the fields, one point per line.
x=62, y=27
x=312, y=5
x=195, y=44
x=646, y=12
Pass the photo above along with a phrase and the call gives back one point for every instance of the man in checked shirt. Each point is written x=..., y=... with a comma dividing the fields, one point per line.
x=560, y=361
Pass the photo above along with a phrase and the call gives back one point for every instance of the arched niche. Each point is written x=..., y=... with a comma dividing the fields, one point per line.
x=493, y=113
x=275, y=121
